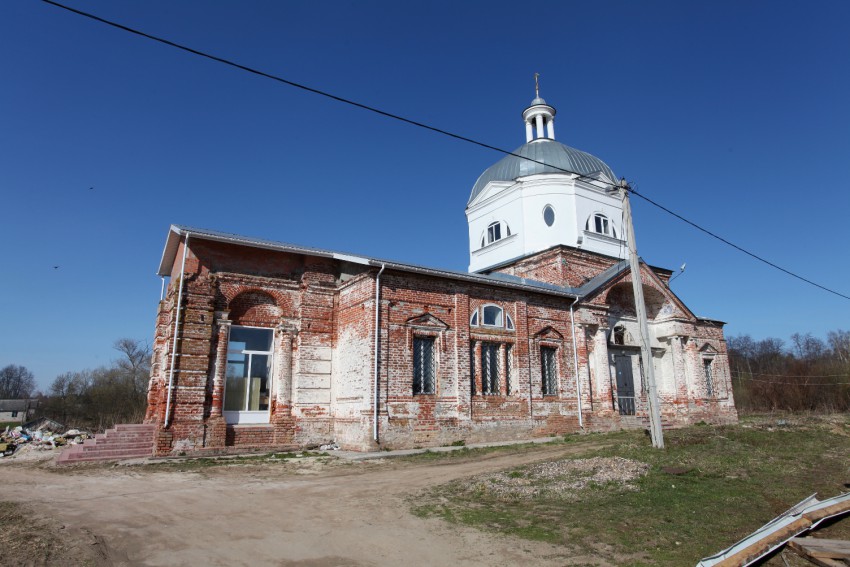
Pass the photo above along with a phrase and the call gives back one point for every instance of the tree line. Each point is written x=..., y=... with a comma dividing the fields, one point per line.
x=807, y=374
x=90, y=399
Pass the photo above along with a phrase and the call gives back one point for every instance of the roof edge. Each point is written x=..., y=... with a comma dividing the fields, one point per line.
x=177, y=232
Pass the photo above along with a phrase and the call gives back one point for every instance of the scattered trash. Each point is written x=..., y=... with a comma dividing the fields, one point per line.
x=13, y=441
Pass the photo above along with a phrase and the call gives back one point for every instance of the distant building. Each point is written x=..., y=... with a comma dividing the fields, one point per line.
x=18, y=411
x=279, y=344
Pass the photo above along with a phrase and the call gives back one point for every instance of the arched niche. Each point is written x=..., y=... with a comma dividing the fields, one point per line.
x=621, y=300
x=254, y=308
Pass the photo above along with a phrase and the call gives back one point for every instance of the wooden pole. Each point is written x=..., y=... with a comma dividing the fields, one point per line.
x=643, y=328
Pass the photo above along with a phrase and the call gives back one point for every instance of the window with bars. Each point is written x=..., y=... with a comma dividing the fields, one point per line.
x=549, y=370
x=424, y=365
x=709, y=376
x=494, y=363
x=509, y=367
x=490, y=367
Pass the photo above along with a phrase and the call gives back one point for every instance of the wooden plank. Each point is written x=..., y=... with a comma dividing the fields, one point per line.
x=805, y=516
x=816, y=516
x=830, y=548
x=764, y=545
x=802, y=551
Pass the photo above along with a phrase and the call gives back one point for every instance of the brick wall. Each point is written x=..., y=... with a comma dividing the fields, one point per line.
x=323, y=310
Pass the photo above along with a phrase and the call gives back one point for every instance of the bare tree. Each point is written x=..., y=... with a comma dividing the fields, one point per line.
x=807, y=346
x=107, y=395
x=135, y=364
x=839, y=342
x=16, y=382
x=810, y=375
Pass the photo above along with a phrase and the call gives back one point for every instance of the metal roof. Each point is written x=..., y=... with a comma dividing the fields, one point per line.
x=803, y=516
x=18, y=405
x=555, y=155
x=177, y=232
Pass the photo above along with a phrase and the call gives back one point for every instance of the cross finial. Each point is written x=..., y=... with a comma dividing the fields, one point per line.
x=536, y=85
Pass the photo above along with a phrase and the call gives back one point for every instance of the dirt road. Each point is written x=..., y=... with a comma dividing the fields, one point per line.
x=305, y=513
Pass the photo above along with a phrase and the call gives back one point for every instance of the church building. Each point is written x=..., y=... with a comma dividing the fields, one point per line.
x=261, y=344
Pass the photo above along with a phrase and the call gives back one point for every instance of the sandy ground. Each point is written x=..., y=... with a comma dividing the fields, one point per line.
x=312, y=512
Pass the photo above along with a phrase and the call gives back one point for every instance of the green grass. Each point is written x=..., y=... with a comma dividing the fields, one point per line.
x=737, y=479
x=466, y=452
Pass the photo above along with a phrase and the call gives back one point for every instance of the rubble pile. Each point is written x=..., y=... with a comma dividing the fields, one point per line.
x=39, y=439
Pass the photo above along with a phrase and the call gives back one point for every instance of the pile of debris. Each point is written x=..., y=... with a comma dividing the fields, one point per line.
x=41, y=438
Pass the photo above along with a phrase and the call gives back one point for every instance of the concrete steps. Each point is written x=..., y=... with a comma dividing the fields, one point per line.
x=124, y=441
x=642, y=422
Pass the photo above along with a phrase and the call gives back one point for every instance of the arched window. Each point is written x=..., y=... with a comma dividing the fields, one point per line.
x=495, y=231
x=618, y=335
x=491, y=316
x=600, y=224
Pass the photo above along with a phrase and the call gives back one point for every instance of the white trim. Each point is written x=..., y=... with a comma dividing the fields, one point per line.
x=495, y=244
x=246, y=417
x=602, y=237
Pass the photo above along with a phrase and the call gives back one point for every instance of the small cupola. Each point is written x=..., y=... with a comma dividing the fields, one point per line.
x=539, y=117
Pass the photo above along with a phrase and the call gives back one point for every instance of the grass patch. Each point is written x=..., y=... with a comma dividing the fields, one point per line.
x=29, y=539
x=726, y=482
x=466, y=452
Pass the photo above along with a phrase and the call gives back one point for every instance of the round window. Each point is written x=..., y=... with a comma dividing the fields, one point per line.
x=549, y=215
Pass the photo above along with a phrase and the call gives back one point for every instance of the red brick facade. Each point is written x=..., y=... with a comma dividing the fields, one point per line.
x=487, y=379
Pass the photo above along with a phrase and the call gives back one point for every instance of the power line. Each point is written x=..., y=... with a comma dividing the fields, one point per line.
x=799, y=383
x=744, y=373
x=311, y=89
x=421, y=125
x=735, y=246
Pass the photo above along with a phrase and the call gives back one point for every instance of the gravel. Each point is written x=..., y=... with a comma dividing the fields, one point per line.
x=562, y=479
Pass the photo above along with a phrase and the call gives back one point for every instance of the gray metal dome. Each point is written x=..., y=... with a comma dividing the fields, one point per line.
x=551, y=153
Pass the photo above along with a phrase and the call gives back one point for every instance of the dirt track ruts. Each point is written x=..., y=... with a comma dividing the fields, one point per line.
x=307, y=513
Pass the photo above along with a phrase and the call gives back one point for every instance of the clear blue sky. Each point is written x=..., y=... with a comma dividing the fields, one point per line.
x=734, y=114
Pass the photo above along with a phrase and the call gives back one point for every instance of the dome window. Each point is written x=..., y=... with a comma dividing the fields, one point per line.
x=548, y=215
x=600, y=224
x=495, y=231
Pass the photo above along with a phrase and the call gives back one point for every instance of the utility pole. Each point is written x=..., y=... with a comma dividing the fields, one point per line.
x=643, y=328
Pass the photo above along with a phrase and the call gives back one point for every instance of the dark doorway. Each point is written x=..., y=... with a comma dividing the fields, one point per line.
x=625, y=384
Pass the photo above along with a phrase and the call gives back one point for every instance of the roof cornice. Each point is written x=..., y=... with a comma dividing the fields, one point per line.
x=177, y=232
